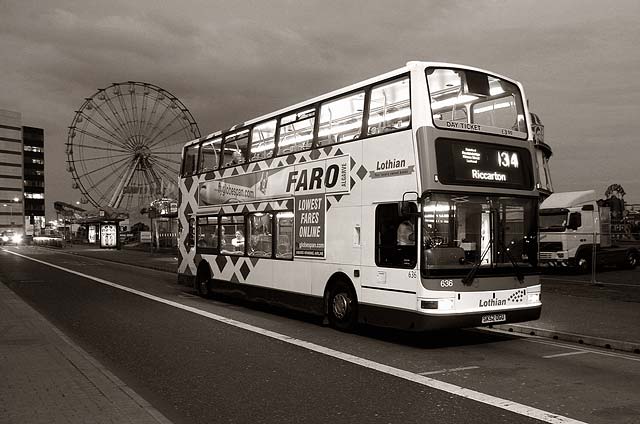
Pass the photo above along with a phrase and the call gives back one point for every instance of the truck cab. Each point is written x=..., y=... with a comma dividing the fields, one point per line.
x=572, y=224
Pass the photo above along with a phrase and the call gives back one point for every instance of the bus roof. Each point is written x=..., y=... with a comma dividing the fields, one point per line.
x=411, y=65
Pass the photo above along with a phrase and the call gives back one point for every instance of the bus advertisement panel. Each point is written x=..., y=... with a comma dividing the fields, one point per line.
x=328, y=176
x=309, y=219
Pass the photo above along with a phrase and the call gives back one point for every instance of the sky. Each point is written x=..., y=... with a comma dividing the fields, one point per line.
x=231, y=61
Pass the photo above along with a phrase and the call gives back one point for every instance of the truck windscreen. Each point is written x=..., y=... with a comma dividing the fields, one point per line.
x=553, y=222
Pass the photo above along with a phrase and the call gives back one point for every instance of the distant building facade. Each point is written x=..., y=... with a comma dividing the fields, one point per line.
x=22, y=196
x=11, y=171
x=33, y=151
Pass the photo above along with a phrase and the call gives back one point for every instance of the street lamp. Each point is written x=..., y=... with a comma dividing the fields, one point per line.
x=10, y=205
x=16, y=200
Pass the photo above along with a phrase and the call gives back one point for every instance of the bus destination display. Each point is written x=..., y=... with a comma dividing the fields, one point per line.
x=472, y=163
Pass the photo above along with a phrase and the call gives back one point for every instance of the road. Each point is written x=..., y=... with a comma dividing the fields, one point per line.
x=202, y=360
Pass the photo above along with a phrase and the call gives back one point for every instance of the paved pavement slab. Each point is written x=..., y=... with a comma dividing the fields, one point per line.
x=46, y=378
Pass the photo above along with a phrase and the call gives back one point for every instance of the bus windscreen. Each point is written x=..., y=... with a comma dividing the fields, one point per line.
x=473, y=101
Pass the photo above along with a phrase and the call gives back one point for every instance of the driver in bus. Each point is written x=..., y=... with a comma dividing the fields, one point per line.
x=405, y=234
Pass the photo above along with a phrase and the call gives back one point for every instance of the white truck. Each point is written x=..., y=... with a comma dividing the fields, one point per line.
x=571, y=224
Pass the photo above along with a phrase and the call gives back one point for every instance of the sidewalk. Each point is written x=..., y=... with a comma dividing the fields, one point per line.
x=46, y=378
x=605, y=316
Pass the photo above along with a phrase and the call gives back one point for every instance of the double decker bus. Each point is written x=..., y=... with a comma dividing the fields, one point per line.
x=407, y=200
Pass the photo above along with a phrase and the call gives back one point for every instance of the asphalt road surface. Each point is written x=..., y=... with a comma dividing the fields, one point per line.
x=202, y=360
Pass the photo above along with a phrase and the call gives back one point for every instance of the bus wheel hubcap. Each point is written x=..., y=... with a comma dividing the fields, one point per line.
x=340, y=305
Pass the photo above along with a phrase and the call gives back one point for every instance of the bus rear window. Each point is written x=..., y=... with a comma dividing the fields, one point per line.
x=190, y=160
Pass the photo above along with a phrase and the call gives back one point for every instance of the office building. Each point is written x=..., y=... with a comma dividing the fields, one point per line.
x=11, y=171
x=22, y=202
x=33, y=151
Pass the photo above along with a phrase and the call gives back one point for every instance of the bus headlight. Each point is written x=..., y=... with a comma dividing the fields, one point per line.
x=534, y=297
x=445, y=304
x=5, y=239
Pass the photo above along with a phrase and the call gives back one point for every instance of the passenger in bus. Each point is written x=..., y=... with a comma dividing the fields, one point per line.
x=238, y=241
x=223, y=241
x=406, y=234
x=202, y=242
x=236, y=158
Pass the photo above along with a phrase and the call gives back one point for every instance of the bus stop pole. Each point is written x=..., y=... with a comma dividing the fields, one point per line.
x=593, y=260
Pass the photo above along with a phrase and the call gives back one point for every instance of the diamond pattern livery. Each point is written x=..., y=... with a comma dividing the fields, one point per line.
x=244, y=271
x=234, y=268
x=362, y=172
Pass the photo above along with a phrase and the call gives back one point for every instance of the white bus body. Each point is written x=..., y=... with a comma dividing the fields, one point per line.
x=326, y=189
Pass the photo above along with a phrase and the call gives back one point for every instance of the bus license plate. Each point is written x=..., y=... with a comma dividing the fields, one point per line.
x=489, y=319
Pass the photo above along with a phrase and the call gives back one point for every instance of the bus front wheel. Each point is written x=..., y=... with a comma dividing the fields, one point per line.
x=342, y=307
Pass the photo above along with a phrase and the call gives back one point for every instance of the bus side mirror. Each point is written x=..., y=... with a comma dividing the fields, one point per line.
x=405, y=208
x=575, y=221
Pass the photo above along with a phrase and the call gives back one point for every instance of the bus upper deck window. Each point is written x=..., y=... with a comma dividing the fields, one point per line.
x=341, y=119
x=390, y=107
x=235, y=148
x=210, y=155
x=262, y=140
x=296, y=132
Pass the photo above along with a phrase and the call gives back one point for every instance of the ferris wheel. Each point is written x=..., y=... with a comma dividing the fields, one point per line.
x=124, y=145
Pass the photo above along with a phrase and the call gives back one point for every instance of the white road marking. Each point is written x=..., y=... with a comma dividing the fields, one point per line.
x=557, y=355
x=514, y=407
x=448, y=370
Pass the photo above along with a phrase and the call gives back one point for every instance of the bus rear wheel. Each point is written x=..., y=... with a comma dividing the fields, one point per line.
x=632, y=260
x=203, y=284
x=342, y=307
